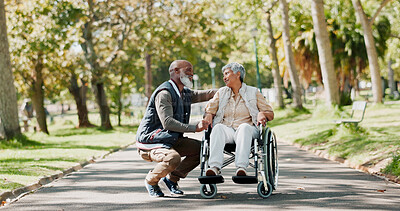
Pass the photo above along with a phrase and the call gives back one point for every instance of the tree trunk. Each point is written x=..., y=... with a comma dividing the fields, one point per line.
x=325, y=53
x=371, y=52
x=294, y=78
x=9, y=122
x=275, y=66
x=96, y=69
x=120, y=106
x=79, y=94
x=148, y=77
x=2, y=133
x=391, y=78
x=101, y=98
x=37, y=94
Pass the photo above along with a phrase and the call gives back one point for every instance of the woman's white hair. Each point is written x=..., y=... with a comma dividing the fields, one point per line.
x=235, y=67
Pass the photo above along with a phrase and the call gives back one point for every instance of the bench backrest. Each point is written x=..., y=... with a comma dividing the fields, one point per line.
x=358, y=107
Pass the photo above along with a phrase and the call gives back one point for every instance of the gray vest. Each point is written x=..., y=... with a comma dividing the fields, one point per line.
x=151, y=131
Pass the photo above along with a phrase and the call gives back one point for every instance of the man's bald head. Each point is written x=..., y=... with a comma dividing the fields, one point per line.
x=178, y=64
x=181, y=72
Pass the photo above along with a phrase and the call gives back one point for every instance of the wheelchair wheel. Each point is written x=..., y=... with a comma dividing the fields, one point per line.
x=274, y=162
x=208, y=193
x=262, y=192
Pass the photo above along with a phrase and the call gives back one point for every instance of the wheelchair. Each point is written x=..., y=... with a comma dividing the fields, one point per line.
x=263, y=158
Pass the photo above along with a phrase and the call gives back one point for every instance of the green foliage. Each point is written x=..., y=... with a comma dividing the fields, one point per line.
x=40, y=31
x=372, y=141
x=317, y=139
x=394, y=167
x=21, y=141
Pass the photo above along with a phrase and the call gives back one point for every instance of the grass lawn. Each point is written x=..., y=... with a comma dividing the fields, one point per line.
x=28, y=159
x=376, y=139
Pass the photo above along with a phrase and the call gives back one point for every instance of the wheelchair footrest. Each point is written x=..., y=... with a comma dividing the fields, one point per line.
x=245, y=179
x=211, y=179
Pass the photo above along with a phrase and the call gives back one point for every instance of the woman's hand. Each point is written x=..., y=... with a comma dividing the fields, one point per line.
x=261, y=119
x=209, y=118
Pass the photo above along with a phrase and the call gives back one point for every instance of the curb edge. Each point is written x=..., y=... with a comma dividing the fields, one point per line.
x=13, y=195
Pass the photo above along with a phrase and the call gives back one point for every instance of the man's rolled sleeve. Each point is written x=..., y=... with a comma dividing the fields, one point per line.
x=202, y=95
x=165, y=112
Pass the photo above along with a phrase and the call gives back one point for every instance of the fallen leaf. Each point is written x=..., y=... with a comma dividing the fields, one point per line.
x=300, y=188
x=224, y=197
x=382, y=191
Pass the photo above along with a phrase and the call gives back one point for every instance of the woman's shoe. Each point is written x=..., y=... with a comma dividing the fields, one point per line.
x=241, y=171
x=213, y=171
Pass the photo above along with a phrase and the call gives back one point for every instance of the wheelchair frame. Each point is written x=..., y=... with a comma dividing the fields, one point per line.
x=264, y=153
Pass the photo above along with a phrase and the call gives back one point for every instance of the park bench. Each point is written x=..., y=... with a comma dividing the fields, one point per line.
x=357, y=113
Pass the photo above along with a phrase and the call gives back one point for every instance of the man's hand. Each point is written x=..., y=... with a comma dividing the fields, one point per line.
x=202, y=125
x=261, y=119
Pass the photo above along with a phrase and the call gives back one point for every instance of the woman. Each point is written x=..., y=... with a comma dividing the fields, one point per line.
x=235, y=110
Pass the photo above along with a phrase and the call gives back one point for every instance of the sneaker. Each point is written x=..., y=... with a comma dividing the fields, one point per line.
x=241, y=171
x=172, y=186
x=154, y=190
x=213, y=171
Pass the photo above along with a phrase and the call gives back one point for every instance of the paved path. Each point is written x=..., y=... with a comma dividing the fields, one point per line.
x=305, y=182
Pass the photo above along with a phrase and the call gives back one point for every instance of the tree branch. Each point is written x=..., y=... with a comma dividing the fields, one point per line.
x=127, y=29
x=279, y=37
x=268, y=10
x=395, y=36
x=383, y=3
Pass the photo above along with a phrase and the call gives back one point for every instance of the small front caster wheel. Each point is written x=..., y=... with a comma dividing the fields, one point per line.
x=208, y=191
x=262, y=192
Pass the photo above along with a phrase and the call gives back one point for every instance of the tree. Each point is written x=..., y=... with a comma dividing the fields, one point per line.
x=371, y=48
x=111, y=19
x=78, y=87
x=325, y=53
x=275, y=62
x=33, y=42
x=289, y=56
x=40, y=34
x=9, y=121
x=126, y=75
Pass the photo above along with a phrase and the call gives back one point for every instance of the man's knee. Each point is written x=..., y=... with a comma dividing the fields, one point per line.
x=173, y=160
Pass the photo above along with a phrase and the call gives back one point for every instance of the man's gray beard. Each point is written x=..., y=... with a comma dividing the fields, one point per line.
x=186, y=81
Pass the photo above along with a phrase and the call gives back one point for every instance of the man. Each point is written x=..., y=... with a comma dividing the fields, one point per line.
x=160, y=134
